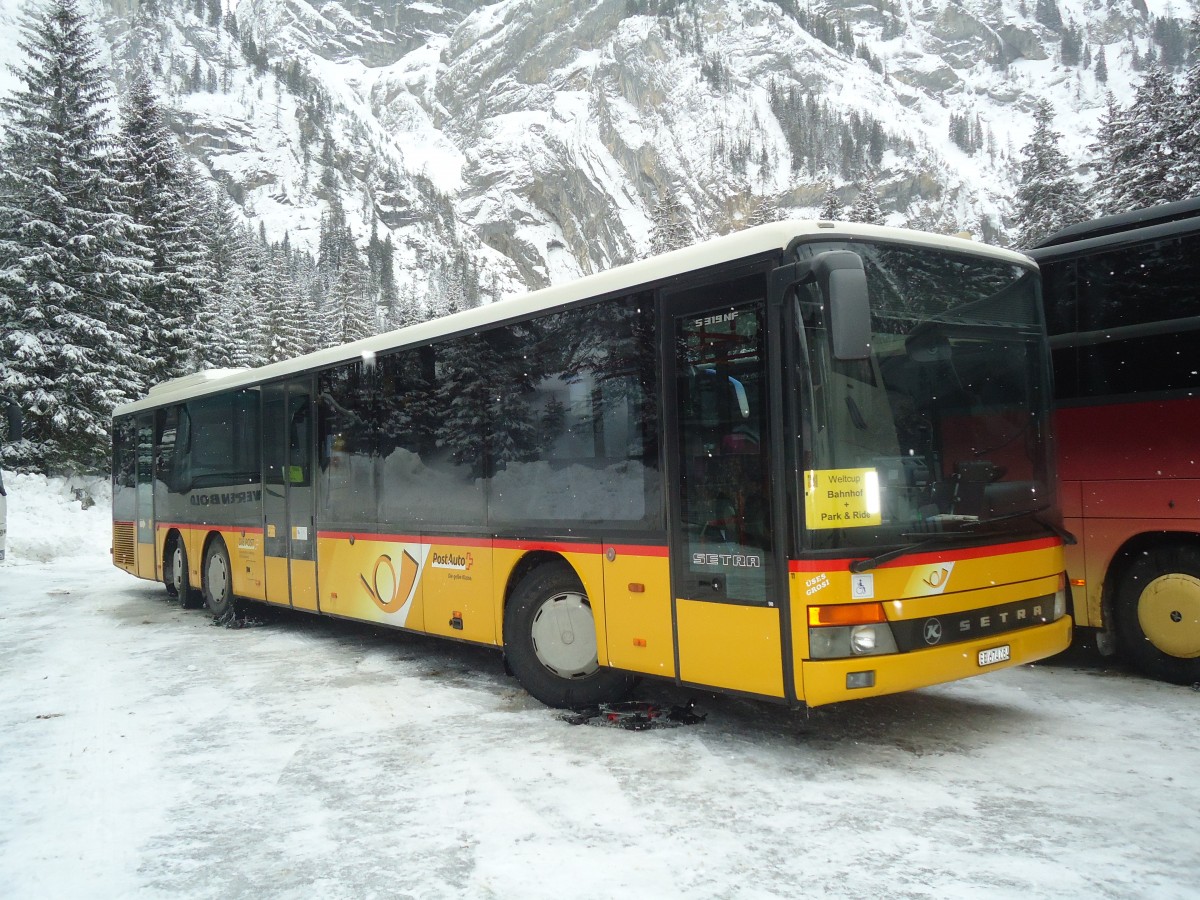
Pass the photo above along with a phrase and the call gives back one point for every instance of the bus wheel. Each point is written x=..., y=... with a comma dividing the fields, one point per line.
x=550, y=642
x=179, y=584
x=1158, y=615
x=218, y=581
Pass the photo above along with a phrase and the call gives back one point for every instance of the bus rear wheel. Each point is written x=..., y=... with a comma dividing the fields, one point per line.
x=550, y=642
x=178, y=582
x=218, y=580
x=1158, y=615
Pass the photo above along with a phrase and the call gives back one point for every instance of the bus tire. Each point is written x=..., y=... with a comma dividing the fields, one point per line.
x=550, y=642
x=218, y=580
x=1158, y=613
x=176, y=577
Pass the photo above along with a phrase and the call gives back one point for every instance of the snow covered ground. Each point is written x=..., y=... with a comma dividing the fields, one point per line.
x=144, y=752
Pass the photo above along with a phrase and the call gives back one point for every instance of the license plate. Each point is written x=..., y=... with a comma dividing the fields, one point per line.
x=995, y=655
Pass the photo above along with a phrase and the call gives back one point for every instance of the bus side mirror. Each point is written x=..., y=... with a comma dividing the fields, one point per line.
x=843, y=284
x=16, y=423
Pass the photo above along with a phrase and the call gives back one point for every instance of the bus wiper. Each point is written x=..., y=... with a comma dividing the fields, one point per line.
x=969, y=525
x=862, y=565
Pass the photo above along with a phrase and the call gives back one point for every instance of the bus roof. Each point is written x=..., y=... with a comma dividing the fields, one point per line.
x=1146, y=217
x=751, y=242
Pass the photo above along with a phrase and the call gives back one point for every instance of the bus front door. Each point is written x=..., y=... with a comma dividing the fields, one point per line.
x=726, y=612
x=288, y=536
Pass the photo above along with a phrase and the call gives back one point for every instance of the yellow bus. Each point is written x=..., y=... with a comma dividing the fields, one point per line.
x=806, y=462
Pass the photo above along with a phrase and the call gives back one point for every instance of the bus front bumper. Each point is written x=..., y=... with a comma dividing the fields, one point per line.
x=825, y=681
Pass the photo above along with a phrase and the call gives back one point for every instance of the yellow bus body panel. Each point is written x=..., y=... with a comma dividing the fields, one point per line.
x=638, y=622
x=932, y=584
x=146, y=562
x=278, y=591
x=246, y=558
x=304, y=584
x=729, y=646
x=457, y=590
x=374, y=578
x=825, y=680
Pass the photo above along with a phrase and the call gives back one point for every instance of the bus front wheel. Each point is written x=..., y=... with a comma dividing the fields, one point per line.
x=1158, y=619
x=218, y=580
x=550, y=642
x=178, y=582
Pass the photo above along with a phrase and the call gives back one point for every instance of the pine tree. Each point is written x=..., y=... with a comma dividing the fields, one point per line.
x=831, y=207
x=70, y=266
x=166, y=201
x=1136, y=148
x=1048, y=197
x=670, y=228
x=1188, y=137
x=236, y=342
x=866, y=205
x=1046, y=12
x=349, y=312
x=1101, y=67
x=408, y=311
x=765, y=210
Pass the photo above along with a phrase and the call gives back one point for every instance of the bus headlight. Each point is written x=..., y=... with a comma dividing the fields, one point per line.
x=849, y=629
x=1060, y=597
x=839, y=642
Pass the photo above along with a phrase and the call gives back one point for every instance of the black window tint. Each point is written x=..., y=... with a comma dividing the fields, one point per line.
x=299, y=438
x=347, y=442
x=168, y=437
x=1165, y=362
x=1151, y=282
x=124, y=463
x=577, y=420
x=145, y=448
x=421, y=482
x=273, y=436
x=1138, y=321
x=124, y=468
x=224, y=441
x=1058, y=289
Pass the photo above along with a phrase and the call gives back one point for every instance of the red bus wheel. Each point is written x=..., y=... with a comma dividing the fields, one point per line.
x=1158, y=614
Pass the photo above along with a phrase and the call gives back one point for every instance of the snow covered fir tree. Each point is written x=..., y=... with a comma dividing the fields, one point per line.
x=191, y=184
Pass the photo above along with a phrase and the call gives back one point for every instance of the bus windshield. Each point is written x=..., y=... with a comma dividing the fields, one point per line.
x=940, y=430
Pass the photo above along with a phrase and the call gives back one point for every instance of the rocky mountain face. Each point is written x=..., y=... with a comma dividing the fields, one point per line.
x=520, y=143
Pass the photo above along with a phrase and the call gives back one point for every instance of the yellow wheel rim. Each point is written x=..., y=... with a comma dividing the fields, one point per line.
x=1169, y=613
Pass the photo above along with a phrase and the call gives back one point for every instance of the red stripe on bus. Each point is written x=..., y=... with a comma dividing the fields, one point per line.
x=501, y=544
x=224, y=529
x=365, y=536
x=406, y=538
x=552, y=546
x=933, y=556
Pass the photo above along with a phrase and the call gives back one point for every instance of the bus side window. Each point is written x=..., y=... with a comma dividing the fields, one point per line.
x=124, y=454
x=170, y=447
x=298, y=438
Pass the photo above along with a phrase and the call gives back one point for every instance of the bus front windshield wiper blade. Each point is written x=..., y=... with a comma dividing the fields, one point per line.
x=969, y=526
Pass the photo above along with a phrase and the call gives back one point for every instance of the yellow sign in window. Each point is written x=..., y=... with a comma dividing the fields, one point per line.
x=841, y=498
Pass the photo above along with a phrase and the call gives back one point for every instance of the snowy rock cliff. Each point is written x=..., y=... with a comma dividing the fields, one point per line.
x=526, y=142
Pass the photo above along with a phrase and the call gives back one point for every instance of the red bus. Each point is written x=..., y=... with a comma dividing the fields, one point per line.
x=1122, y=298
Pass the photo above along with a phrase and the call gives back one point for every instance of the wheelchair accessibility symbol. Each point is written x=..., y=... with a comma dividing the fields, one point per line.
x=862, y=587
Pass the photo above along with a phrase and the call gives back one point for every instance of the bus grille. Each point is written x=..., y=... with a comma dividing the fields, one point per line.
x=124, y=544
